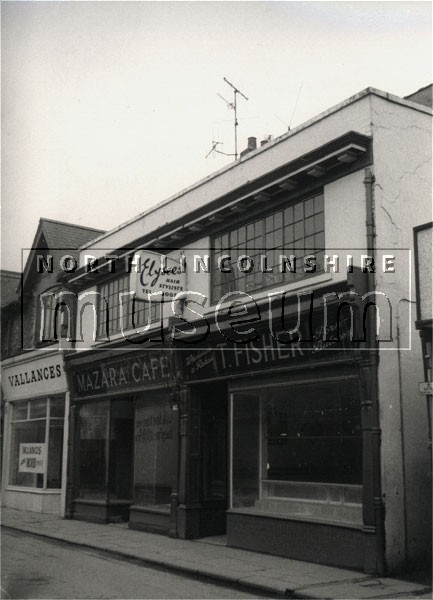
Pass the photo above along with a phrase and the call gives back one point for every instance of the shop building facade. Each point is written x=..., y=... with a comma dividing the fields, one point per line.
x=225, y=417
x=35, y=394
x=123, y=438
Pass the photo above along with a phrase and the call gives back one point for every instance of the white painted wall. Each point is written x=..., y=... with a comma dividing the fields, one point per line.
x=403, y=197
x=345, y=216
x=33, y=500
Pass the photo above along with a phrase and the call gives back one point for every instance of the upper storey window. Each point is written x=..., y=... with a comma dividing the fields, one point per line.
x=118, y=311
x=254, y=253
x=51, y=316
x=48, y=317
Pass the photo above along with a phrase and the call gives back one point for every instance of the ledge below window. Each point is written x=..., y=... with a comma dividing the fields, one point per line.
x=163, y=509
x=27, y=490
x=337, y=504
x=252, y=511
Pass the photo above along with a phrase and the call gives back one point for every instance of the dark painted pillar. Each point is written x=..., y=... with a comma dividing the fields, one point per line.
x=372, y=502
x=188, y=522
x=174, y=498
x=72, y=459
x=372, y=505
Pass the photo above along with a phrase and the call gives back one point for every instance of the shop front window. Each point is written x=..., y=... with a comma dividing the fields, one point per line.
x=297, y=452
x=37, y=443
x=106, y=439
x=94, y=450
x=155, y=450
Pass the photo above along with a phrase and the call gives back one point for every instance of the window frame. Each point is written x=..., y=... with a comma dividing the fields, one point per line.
x=54, y=321
x=278, y=211
x=132, y=322
x=47, y=419
x=355, y=489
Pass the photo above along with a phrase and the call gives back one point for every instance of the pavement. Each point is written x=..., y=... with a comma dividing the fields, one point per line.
x=209, y=558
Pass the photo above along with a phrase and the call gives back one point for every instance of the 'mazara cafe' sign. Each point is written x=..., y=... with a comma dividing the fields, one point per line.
x=149, y=367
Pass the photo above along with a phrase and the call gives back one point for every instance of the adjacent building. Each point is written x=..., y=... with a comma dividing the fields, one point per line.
x=34, y=388
x=9, y=284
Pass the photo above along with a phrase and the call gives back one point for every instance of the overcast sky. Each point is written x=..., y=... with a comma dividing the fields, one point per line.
x=111, y=107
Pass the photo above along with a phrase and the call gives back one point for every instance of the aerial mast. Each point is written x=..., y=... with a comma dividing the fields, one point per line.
x=234, y=105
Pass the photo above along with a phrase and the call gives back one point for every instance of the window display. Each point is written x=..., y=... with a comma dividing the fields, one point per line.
x=155, y=450
x=93, y=450
x=37, y=443
x=297, y=451
x=106, y=450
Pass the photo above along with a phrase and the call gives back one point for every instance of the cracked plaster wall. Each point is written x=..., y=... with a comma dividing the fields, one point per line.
x=402, y=139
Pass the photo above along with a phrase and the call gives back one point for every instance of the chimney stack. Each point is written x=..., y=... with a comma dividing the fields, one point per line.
x=252, y=145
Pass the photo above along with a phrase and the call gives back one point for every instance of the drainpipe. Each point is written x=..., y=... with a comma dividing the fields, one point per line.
x=373, y=388
x=176, y=400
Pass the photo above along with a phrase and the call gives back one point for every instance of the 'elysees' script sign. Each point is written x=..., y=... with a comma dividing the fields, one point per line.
x=156, y=273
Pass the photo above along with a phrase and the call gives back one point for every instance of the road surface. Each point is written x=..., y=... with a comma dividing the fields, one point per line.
x=34, y=567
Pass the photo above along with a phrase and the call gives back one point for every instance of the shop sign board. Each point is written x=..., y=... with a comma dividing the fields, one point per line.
x=43, y=375
x=426, y=388
x=214, y=357
x=32, y=458
x=221, y=357
x=148, y=368
x=156, y=273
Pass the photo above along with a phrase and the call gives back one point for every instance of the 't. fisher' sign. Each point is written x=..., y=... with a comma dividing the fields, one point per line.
x=32, y=458
x=156, y=273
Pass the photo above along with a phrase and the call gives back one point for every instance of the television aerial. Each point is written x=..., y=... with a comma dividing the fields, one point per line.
x=232, y=106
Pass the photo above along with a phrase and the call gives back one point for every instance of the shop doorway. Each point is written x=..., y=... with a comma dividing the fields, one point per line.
x=103, y=476
x=214, y=459
x=121, y=450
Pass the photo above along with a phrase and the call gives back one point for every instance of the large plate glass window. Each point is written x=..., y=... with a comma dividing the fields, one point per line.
x=297, y=452
x=37, y=443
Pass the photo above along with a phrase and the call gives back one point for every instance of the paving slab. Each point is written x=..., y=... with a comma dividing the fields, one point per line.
x=266, y=574
x=383, y=588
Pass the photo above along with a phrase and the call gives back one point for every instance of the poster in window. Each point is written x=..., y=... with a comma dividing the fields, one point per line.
x=32, y=458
